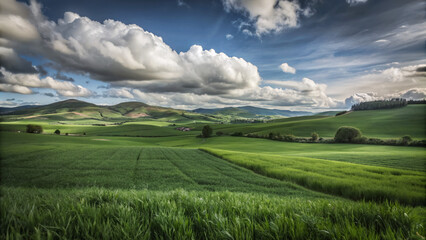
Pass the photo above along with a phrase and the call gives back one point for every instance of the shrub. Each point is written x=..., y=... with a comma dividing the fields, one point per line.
x=361, y=140
x=288, y=138
x=219, y=133
x=375, y=141
x=34, y=128
x=314, y=136
x=57, y=132
x=271, y=135
x=348, y=135
x=66, y=134
x=421, y=143
x=392, y=142
x=405, y=140
x=237, y=134
x=278, y=137
x=207, y=131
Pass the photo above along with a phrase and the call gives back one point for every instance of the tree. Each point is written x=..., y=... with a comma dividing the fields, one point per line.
x=34, y=128
x=207, y=131
x=314, y=136
x=57, y=132
x=347, y=135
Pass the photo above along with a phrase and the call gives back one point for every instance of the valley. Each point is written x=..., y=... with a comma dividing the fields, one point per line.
x=119, y=162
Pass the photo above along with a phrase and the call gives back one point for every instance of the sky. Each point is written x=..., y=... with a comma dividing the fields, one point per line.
x=313, y=55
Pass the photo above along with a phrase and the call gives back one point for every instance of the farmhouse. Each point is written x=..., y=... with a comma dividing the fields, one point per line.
x=183, y=129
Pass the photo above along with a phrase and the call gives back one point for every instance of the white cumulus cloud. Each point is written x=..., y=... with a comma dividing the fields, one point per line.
x=112, y=51
x=287, y=69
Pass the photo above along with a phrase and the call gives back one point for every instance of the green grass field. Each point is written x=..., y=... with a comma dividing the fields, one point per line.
x=144, y=179
x=150, y=168
x=129, y=214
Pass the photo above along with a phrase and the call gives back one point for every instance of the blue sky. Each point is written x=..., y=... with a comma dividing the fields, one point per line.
x=301, y=55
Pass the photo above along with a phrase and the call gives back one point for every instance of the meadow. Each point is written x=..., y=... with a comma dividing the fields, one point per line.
x=144, y=179
x=153, y=168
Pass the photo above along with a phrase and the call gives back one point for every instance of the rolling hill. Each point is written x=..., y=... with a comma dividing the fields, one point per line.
x=7, y=110
x=386, y=123
x=251, y=112
x=74, y=109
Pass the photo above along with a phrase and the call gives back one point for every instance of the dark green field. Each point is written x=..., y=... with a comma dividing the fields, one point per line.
x=146, y=180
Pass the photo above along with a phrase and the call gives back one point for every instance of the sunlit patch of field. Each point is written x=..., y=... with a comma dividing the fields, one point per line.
x=348, y=180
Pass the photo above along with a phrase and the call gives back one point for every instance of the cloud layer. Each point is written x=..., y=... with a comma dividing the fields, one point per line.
x=267, y=16
x=136, y=62
x=21, y=83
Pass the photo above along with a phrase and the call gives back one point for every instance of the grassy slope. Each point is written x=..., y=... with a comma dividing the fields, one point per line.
x=393, y=123
x=342, y=179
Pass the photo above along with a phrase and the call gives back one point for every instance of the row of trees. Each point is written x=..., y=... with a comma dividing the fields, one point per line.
x=247, y=121
x=417, y=101
x=343, y=135
x=380, y=104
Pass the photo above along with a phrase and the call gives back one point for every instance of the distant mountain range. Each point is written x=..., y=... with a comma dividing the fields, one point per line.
x=7, y=110
x=75, y=109
x=251, y=112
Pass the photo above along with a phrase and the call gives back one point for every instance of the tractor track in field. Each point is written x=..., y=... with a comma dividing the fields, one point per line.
x=180, y=170
x=135, y=169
